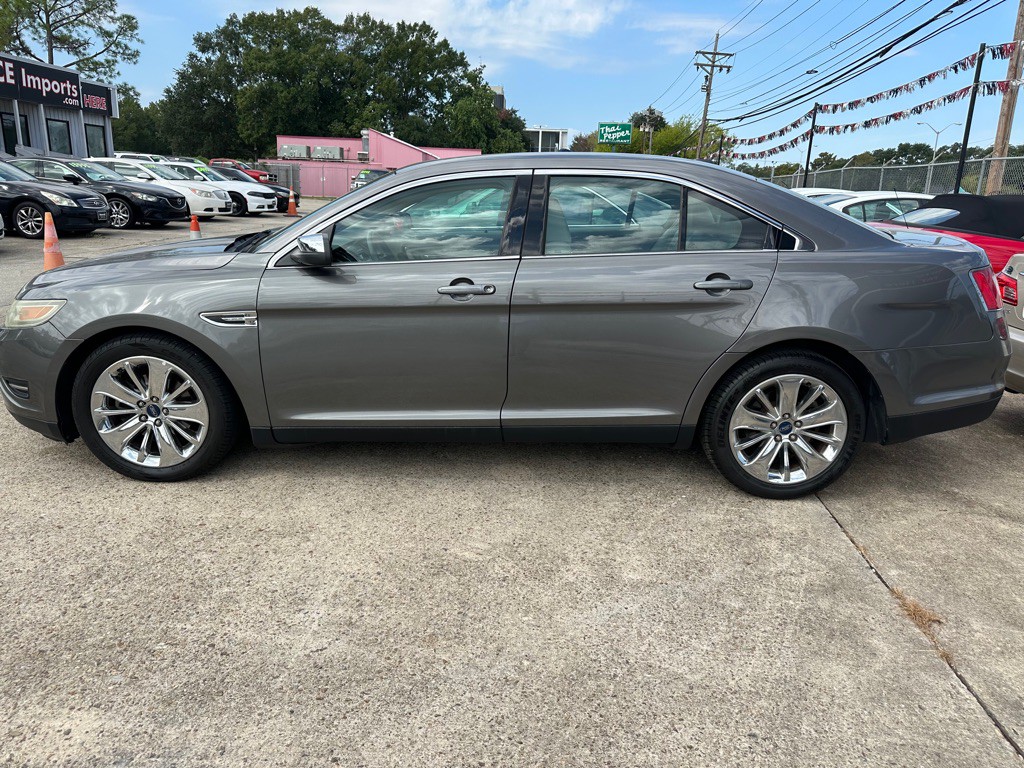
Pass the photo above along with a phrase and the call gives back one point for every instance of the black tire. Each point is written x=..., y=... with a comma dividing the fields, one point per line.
x=239, y=207
x=224, y=413
x=716, y=436
x=23, y=214
x=158, y=224
x=122, y=213
x=256, y=213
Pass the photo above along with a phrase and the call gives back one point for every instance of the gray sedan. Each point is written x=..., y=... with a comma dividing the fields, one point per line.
x=566, y=297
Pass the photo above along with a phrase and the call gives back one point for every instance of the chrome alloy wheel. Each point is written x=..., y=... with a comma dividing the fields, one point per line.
x=149, y=411
x=788, y=429
x=120, y=214
x=29, y=221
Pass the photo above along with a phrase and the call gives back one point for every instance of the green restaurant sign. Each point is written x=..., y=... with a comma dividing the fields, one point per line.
x=614, y=133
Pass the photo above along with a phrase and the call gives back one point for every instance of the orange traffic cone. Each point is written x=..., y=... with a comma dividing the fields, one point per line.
x=193, y=229
x=292, y=210
x=52, y=257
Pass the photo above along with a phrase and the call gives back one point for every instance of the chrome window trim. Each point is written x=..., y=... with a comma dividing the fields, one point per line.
x=319, y=221
x=643, y=253
x=686, y=184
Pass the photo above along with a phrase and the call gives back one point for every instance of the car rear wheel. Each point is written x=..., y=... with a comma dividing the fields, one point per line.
x=154, y=408
x=28, y=220
x=784, y=425
x=121, y=214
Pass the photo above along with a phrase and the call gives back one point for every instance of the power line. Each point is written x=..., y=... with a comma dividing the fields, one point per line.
x=843, y=56
x=883, y=53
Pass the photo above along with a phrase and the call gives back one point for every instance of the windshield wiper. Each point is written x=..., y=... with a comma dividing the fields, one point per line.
x=250, y=240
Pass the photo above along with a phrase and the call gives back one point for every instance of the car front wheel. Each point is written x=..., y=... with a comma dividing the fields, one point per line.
x=153, y=408
x=121, y=214
x=239, y=207
x=28, y=220
x=784, y=424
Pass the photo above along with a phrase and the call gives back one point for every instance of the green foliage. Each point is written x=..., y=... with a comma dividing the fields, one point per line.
x=88, y=35
x=138, y=127
x=650, y=116
x=297, y=72
x=584, y=142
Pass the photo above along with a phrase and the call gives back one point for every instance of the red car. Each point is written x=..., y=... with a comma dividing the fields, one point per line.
x=994, y=223
x=248, y=170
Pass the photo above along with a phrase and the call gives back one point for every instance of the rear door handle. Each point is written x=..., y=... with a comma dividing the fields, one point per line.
x=723, y=284
x=466, y=289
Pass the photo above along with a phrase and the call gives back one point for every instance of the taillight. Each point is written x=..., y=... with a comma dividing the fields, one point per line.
x=985, y=279
x=1007, y=288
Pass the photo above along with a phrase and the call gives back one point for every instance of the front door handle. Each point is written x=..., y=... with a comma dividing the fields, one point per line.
x=718, y=283
x=466, y=289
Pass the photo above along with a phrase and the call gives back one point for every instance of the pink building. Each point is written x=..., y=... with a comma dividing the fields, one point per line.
x=327, y=165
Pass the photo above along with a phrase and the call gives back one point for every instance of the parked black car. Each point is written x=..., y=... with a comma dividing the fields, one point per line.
x=24, y=200
x=131, y=202
x=282, y=192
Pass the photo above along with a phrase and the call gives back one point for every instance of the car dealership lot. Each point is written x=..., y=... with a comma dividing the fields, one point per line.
x=505, y=605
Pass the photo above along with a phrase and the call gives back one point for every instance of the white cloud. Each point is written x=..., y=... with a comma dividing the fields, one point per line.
x=681, y=33
x=495, y=31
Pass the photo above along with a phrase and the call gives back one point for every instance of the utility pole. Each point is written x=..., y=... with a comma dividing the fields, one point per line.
x=709, y=66
x=1005, y=124
x=810, y=142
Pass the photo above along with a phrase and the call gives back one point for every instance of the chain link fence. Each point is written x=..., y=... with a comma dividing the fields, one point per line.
x=285, y=174
x=987, y=176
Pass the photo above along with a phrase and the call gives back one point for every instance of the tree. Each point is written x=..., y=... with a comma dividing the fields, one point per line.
x=138, y=127
x=584, y=142
x=473, y=122
x=88, y=35
x=650, y=116
x=298, y=72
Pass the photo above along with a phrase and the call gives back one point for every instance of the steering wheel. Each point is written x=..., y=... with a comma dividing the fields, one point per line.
x=387, y=243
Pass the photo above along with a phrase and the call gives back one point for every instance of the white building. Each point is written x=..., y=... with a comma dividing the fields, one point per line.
x=547, y=139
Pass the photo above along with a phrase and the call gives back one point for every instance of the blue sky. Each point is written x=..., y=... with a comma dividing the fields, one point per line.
x=572, y=63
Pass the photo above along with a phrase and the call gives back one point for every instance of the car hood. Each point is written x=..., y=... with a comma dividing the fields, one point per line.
x=137, y=186
x=191, y=255
x=58, y=189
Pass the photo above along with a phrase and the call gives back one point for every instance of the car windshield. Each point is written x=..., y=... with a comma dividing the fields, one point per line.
x=244, y=165
x=9, y=172
x=163, y=171
x=235, y=174
x=211, y=174
x=927, y=217
x=94, y=172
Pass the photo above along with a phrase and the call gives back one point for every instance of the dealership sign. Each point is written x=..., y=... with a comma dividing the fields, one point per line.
x=614, y=133
x=39, y=84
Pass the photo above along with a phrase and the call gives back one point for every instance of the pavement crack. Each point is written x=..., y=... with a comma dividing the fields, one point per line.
x=926, y=621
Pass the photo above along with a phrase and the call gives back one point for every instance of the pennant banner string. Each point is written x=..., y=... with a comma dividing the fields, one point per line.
x=996, y=52
x=985, y=88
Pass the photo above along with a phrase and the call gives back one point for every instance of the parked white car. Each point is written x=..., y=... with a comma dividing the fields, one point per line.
x=140, y=156
x=874, y=206
x=814, y=192
x=246, y=198
x=204, y=200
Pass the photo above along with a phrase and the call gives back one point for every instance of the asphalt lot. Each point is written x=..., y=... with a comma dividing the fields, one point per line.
x=423, y=605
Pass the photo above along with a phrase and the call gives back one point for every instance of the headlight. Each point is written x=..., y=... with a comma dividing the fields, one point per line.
x=53, y=197
x=25, y=314
x=144, y=196
x=200, y=192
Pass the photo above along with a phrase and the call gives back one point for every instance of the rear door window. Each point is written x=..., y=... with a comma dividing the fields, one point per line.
x=712, y=225
x=610, y=215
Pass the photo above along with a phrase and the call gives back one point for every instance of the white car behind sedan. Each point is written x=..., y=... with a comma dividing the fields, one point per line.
x=874, y=206
x=245, y=198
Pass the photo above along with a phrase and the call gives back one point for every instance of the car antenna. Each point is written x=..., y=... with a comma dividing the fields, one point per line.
x=900, y=204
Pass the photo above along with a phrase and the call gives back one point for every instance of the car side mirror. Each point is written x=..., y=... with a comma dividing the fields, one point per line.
x=314, y=250
x=72, y=178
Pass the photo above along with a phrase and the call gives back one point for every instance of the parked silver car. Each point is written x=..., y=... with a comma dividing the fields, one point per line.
x=577, y=297
x=1010, y=280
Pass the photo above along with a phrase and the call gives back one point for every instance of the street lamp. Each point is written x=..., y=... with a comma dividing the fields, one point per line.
x=935, y=152
x=935, y=149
